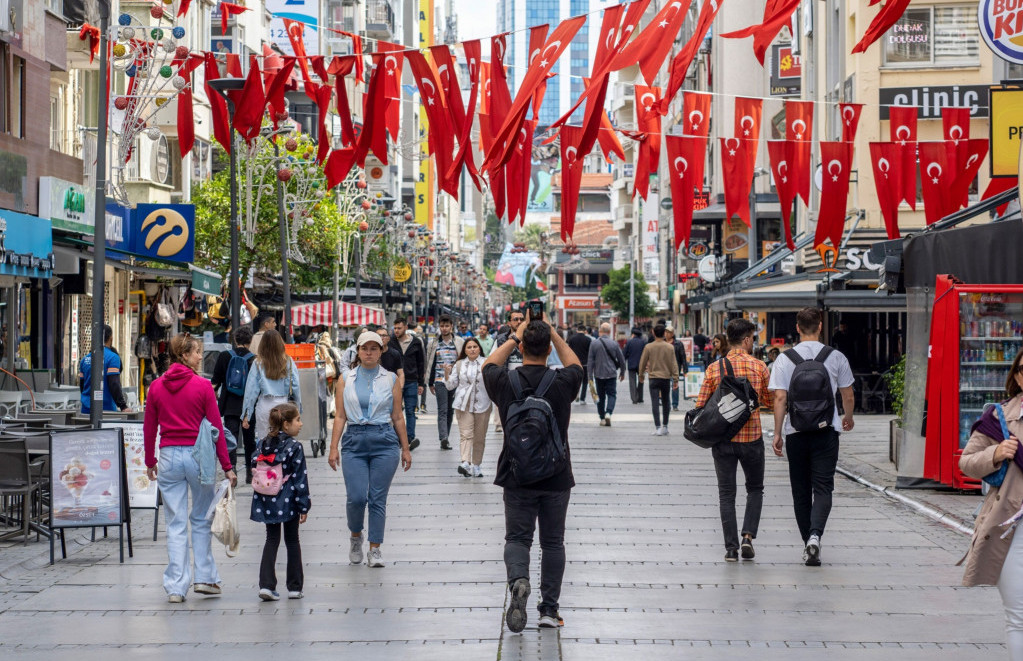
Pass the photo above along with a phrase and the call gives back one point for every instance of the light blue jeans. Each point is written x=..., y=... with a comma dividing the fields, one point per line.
x=177, y=475
x=369, y=458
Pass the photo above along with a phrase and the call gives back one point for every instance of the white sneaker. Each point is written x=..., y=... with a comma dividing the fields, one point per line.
x=476, y=471
x=295, y=594
x=664, y=430
x=812, y=552
x=656, y=431
x=607, y=420
x=376, y=558
x=355, y=551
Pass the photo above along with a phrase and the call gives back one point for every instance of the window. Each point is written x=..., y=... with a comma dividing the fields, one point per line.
x=16, y=91
x=934, y=36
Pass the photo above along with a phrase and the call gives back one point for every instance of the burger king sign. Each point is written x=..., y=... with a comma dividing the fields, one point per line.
x=1001, y=25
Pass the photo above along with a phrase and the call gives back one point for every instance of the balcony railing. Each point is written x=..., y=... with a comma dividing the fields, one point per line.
x=379, y=19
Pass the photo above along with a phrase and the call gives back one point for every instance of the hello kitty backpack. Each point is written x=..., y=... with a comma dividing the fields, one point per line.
x=268, y=477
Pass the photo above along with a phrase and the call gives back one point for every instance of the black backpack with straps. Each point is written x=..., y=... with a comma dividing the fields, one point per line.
x=811, y=398
x=727, y=410
x=532, y=440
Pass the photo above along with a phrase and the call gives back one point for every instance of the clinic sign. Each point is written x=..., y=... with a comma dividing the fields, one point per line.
x=69, y=206
x=1001, y=26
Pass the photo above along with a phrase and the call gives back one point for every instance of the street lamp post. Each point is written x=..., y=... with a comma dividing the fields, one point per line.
x=283, y=224
x=100, y=241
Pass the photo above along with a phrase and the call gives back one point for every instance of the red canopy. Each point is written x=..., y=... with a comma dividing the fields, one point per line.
x=321, y=314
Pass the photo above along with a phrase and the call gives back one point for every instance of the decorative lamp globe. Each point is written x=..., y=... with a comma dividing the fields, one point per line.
x=178, y=32
x=127, y=33
x=124, y=19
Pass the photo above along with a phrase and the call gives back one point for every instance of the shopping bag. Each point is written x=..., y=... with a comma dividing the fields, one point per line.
x=225, y=523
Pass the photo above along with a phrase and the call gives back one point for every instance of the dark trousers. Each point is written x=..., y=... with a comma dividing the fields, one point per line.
x=727, y=456
x=607, y=395
x=247, y=438
x=813, y=456
x=522, y=509
x=660, y=395
x=267, y=573
x=410, y=398
x=635, y=389
x=585, y=384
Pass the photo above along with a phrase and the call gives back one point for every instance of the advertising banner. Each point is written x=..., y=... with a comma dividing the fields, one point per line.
x=1006, y=128
x=87, y=478
x=68, y=205
x=513, y=268
x=141, y=490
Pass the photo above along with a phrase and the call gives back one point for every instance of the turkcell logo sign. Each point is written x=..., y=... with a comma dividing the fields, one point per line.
x=1001, y=25
x=166, y=231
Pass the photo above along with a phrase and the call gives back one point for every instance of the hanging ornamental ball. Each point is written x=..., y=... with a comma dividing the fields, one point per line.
x=121, y=103
x=363, y=226
x=366, y=204
x=166, y=71
x=131, y=71
x=361, y=184
x=156, y=12
x=282, y=116
x=124, y=19
x=178, y=32
x=379, y=194
x=127, y=33
x=432, y=249
x=291, y=144
x=120, y=50
x=153, y=133
x=178, y=82
x=291, y=159
x=316, y=207
x=169, y=45
x=284, y=174
x=408, y=215
x=385, y=213
x=309, y=222
x=291, y=215
x=412, y=234
x=181, y=52
x=156, y=34
x=168, y=2
x=311, y=170
x=308, y=155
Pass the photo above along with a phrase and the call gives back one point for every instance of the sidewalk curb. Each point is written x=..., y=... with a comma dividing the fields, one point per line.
x=930, y=512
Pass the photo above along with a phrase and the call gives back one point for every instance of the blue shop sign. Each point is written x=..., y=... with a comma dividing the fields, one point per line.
x=26, y=245
x=164, y=231
x=118, y=228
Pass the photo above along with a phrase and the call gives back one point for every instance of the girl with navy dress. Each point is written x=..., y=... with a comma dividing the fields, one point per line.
x=289, y=507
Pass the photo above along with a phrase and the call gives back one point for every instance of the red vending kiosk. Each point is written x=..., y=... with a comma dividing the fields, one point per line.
x=976, y=331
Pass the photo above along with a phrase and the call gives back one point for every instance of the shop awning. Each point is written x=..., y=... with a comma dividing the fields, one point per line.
x=321, y=314
x=205, y=282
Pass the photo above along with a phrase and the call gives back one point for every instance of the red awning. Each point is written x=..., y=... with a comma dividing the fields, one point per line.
x=320, y=314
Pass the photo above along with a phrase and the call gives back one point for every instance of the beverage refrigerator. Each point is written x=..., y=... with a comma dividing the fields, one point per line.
x=976, y=332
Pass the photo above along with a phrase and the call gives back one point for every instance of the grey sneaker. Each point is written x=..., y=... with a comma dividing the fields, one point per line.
x=517, y=608
x=175, y=598
x=812, y=552
x=295, y=594
x=376, y=558
x=207, y=588
x=355, y=551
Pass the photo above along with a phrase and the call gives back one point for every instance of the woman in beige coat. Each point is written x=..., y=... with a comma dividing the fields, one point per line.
x=992, y=560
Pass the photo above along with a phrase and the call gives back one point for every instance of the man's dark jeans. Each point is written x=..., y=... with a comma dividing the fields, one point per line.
x=635, y=388
x=410, y=398
x=660, y=395
x=727, y=456
x=813, y=456
x=246, y=440
x=585, y=384
x=607, y=395
x=522, y=508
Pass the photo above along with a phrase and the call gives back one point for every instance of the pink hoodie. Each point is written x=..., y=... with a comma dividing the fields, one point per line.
x=177, y=403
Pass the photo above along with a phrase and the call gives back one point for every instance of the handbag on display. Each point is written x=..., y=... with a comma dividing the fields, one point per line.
x=163, y=312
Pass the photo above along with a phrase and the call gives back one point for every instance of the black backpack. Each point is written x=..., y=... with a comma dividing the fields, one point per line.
x=811, y=399
x=727, y=410
x=237, y=373
x=532, y=440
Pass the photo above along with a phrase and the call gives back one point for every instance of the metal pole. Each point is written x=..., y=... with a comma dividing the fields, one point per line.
x=99, y=262
x=358, y=269
x=283, y=224
x=632, y=284
x=335, y=311
x=236, y=301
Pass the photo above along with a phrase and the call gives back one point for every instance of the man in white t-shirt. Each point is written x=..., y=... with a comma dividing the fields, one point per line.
x=812, y=455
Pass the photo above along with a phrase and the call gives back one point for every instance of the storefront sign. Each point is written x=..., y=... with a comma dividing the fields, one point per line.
x=401, y=272
x=698, y=250
x=579, y=303
x=161, y=161
x=205, y=282
x=1006, y=130
x=1001, y=26
x=117, y=227
x=649, y=217
x=931, y=99
x=736, y=238
x=87, y=474
x=166, y=231
x=69, y=206
x=786, y=71
x=26, y=245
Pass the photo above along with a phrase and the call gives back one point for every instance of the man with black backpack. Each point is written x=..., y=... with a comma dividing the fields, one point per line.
x=229, y=376
x=804, y=381
x=746, y=447
x=534, y=467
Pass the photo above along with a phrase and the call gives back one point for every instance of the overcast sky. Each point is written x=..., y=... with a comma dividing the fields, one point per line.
x=474, y=23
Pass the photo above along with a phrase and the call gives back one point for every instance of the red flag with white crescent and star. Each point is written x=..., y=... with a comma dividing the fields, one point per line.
x=648, y=120
x=937, y=173
x=799, y=130
x=218, y=105
x=186, y=120
x=955, y=124
x=441, y=134
x=340, y=68
x=295, y=30
x=902, y=131
x=680, y=63
x=537, y=37
x=392, y=64
x=685, y=165
x=374, y=130
x=886, y=18
x=777, y=14
x=836, y=163
x=571, y=177
x=885, y=158
x=780, y=153
x=594, y=113
x=465, y=155
x=849, y=113
x=696, y=113
x=650, y=48
x=499, y=99
x=969, y=157
x=737, y=179
x=747, y=126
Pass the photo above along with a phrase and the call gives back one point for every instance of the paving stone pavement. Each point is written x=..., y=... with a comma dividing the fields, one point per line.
x=645, y=576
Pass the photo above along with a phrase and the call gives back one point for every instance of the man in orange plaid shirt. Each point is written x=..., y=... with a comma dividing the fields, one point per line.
x=746, y=448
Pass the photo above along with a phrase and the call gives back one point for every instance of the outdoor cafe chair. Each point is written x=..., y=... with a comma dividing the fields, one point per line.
x=10, y=403
x=17, y=486
x=48, y=401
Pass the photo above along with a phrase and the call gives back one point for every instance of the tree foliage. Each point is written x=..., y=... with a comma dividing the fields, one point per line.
x=318, y=235
x=616, y=293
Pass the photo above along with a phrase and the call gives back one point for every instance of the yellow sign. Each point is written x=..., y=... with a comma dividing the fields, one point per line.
x=424, y=174
x=401, y=272
x=173, y=226
x=1006, y=130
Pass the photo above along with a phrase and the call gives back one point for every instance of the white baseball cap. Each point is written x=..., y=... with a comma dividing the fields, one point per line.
x=369, y=336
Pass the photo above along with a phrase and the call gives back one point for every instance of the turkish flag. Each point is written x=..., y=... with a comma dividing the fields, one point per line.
x=228, y=9
x=278, y=85
x=392, y=85
x=374, y=130
x=218, y=106
x=295, y=31
x=445, y=62
x=799, y=130
x=338, y=165
x=902, y=131
x=966, y=169
x=651, y=47
x=685, y=164
x=571, y=177
x=537, y=37
x=233, y=65
x=464, y=155
x=955, y=124
x=648, y=120
x=249, y=104
x=902, y=123
x=519, y=171
x=737, y=177
x=680, y=63
x=937, y=171
x=999, y=185
x=341, y=67
x=186, y=120
x=317, y=62
x=696, y=113
x=499, y=104
x=777, y=14
x=780, y=153
x=321, y=95
x=836, y=161
x=850, y=114
x=886, y=18
x=885, y=158
x=441, y=134
x=747, y=126
x=608, y=139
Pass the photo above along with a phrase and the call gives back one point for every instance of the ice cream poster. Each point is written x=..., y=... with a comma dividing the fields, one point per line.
x=141, y=490
x=86, y=477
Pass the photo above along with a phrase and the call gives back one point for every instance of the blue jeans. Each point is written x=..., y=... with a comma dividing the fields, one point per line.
x=675, y=392
x=445, y=410
x=410, y=399
x=369, y=459
x=607, y=391
x=178, y=473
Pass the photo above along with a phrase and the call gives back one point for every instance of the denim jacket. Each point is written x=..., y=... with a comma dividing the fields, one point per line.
x=381, y=400
x=257, y=385
x=205, y=452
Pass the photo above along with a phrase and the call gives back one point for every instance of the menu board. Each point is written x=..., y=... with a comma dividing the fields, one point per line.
x=87, y=478
x=141, y=490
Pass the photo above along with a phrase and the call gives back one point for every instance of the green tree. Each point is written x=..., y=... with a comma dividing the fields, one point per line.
x=616, y=293
x=319, y=234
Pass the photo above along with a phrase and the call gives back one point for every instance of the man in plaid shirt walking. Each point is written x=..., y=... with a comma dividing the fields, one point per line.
x=746, y=448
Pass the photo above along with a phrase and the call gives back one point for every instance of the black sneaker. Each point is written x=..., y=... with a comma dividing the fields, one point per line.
x=444, y=445
x=747, y=548
x=516, y=617
x=413, y=444
x=732, y=555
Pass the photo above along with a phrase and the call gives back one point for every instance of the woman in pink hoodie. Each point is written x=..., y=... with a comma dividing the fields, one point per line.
x=176, y=405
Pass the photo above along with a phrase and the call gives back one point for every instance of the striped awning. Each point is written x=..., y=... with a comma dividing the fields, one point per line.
x=321, y=314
